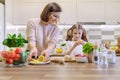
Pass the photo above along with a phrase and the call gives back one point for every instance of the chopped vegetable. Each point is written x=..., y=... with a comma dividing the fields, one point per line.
x=63, y=44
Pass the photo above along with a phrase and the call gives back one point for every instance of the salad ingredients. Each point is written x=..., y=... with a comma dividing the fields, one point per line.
x=11, y=57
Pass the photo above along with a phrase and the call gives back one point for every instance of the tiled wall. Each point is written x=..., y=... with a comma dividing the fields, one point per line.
x=95, y=33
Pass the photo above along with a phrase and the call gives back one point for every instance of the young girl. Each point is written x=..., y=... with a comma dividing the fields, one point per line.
x=75, y=40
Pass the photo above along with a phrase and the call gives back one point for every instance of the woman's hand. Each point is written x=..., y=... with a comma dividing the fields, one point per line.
x=33, y=52
x=45, y=53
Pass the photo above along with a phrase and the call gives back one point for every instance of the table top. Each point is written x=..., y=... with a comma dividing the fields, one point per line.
x=66, y=71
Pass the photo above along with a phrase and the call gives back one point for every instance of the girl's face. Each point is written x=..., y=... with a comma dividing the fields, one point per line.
x=54, y=17
x=77, y=34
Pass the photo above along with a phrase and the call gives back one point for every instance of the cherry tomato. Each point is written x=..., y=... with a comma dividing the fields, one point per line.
x=18, y=50
x=17, y=57
x=9, y=61
x=11, y=54
x=5, y=54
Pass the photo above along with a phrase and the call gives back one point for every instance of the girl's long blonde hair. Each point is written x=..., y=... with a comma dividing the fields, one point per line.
x=70, y=32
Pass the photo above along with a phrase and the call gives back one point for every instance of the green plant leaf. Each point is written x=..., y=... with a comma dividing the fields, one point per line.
x=14, y=40
x=88, y=48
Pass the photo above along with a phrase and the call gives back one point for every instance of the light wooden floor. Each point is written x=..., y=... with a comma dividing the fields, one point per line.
x=56, y=71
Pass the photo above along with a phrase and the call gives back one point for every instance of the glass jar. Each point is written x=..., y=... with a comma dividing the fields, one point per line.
x=111, y=56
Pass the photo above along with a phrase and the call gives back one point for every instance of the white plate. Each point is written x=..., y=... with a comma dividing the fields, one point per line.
x=33, y=63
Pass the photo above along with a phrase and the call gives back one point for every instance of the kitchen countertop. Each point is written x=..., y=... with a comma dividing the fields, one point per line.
x=56, y=71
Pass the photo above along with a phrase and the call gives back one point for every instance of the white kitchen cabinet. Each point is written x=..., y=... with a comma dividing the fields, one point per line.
x=91, y=10
x=113, y=12
x=68, y=14
x=2, y=26
x=19, y=11
x=26, y=9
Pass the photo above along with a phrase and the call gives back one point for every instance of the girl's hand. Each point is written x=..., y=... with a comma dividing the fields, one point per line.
x=33, y=52
x=76, y=43
x=82, y=42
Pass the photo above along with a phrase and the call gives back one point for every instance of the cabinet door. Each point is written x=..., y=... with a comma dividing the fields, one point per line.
x=90, y=10
x=2, y=26
x=26, y=9
x=113, y=11
x=68, y=14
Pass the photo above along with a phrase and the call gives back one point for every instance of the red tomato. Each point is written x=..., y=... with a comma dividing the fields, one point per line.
x=5, y=54
x=11, y=54
x=18, y=51
x=83, y=55
x=9, y=61
x=17, y=57
x=78, y=55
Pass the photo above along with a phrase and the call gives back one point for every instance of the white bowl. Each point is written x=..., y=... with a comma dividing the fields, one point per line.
x=81, y=59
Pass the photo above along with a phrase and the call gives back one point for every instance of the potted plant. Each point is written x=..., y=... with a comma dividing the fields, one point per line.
x=88, y=49
x=15, y=55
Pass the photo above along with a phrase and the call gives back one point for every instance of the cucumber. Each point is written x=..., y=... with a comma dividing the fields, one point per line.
x=23, y=57
x=16, y=63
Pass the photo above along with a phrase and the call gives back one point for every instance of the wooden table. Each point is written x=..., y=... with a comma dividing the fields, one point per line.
x=56, y=71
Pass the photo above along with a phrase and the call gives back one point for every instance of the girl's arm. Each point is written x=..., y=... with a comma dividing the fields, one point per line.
x=70, y=50
x=76, y=43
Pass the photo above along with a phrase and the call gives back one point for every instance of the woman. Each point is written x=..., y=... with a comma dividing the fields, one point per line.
x=42, y=34
x=76, y=40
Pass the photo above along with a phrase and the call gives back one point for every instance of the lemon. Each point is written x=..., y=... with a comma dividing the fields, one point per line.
x=114, y=48
x=33, y=61
x=59, y=50
x=41, y=59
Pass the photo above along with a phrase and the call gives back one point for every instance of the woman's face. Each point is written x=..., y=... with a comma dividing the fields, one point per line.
x=54, y=17
x=77, y=34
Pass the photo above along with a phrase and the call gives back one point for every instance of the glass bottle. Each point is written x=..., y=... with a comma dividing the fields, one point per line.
x=95, y=54
x=103, y=57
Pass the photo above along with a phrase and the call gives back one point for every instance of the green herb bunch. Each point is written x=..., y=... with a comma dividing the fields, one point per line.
x=14, y=40
x=88, y=48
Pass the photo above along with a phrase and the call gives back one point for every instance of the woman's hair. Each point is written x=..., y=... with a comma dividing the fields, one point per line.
x=51, y=7
x=70, y=32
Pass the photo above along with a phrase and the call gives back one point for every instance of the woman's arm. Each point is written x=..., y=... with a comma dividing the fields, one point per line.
x=30, y=34
x=53, y=41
